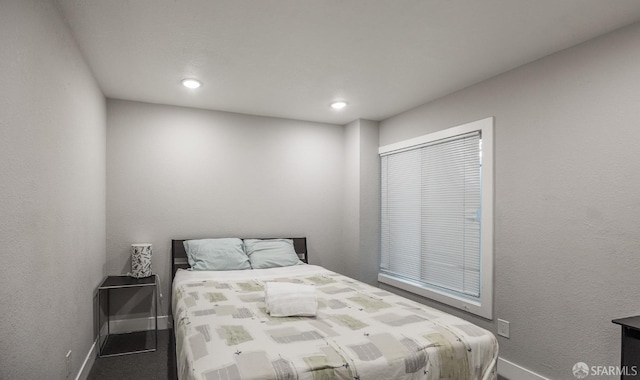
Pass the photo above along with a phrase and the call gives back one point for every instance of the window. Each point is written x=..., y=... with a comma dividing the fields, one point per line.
x=437, y=216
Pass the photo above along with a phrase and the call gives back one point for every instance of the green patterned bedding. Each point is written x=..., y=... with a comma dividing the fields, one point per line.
x=360, y=332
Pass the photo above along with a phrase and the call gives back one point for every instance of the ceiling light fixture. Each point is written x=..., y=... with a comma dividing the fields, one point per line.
x=338, y=104
x=191, y=83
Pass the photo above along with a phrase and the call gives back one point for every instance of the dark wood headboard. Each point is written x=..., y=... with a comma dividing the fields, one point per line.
x=179, y=255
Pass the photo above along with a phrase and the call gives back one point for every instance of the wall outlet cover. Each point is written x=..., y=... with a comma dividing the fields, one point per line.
x=503, y=328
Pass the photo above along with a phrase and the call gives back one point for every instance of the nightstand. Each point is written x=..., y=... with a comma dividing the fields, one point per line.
x=114, y=343
x=630, y=347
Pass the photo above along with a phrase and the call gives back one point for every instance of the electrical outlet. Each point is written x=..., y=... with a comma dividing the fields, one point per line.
x=503, y=328
x=68, y=361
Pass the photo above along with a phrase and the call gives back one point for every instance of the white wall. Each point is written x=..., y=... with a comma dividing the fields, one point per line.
x=176, y=172
x=361, y=223
x=369, y=254
x=351, y=201
x=52, y=194
x=567, y=209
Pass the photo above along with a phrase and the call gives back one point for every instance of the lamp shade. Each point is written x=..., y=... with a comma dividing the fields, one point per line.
x=141, y=260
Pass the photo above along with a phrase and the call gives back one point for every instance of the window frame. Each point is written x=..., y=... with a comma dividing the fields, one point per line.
x=482, y=307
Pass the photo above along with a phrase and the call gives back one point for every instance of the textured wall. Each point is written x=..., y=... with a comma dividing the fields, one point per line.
x=351, y=200
x=361, y=204
x=369, y=253
x=567, y=174
x=177, y=172
x=52, y=194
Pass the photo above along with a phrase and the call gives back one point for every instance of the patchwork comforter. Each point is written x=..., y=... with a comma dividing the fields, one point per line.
x=360, y=332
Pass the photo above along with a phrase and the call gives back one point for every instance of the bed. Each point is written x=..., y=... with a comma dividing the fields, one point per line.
x=223, y=330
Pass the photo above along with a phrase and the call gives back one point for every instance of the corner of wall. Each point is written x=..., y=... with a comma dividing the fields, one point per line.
x=361, y=232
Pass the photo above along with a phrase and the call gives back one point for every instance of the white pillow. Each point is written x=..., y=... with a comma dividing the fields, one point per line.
x=216, y=254
x=271, y=253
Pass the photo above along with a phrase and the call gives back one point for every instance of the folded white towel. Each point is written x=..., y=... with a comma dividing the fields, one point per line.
x=285, y=299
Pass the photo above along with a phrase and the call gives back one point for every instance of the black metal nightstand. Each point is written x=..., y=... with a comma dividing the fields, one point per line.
x=114, y=344
x=630, y=347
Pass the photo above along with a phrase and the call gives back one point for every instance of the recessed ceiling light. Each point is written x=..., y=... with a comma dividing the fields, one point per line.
x=191, y=83
x=338, y=104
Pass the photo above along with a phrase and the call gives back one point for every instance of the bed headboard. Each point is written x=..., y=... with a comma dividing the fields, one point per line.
x=179, y=255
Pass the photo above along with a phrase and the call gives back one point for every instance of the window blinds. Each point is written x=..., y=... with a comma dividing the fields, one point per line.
x=430, y=214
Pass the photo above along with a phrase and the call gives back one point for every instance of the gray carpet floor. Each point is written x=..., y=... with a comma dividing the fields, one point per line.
x=158, y=365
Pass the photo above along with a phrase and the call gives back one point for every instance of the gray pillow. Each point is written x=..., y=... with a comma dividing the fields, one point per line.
x=271, y=253
x=216, y=254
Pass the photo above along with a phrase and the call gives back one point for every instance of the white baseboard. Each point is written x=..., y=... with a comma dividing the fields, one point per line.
x=83, y=373
x=512, y=371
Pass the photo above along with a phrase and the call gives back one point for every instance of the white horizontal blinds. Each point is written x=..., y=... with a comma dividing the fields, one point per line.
x=401, y=214
x=384, y=218
x=431, y=214
x=450, y=222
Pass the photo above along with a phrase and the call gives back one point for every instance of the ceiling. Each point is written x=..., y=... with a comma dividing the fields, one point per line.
x=291, y=58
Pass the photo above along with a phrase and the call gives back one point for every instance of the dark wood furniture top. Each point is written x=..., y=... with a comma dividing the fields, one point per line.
x=112, y=282
x=633, y=322
x=629, y=347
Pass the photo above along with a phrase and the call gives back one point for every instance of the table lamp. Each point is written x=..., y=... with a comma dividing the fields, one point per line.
x=141, y=260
